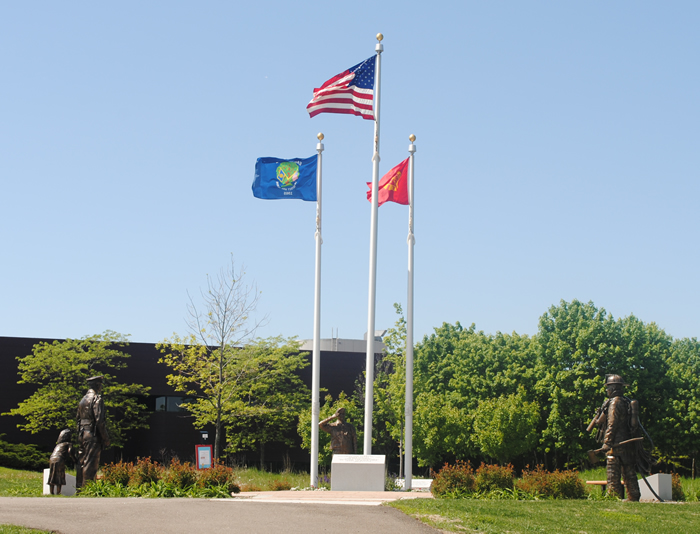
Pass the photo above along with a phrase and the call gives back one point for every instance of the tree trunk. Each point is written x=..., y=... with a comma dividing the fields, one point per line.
x=693, y=469
x=262, y=456
x=401, y=459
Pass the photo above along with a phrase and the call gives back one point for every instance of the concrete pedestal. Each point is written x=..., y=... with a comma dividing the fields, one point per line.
x=661, y=482
x=357, y=472
x=67, y=490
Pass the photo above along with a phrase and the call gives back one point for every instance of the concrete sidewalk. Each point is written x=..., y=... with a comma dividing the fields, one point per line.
x=261, y=512
x=361, y=498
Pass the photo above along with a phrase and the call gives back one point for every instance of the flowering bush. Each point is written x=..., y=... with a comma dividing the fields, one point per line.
x=180, y=475
x=280, y=485
x=556, y=484
x=218, y=475
x=494, y=477
x=145, y=471
x=117, y=473
x=677, y=493
x=454, y=480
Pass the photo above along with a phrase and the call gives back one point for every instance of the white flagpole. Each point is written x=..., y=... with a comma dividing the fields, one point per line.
x=369, y=363
x=316, y=355
x=408, y=426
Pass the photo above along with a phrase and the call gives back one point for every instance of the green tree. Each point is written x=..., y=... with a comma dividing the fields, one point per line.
x=205, y=364
x=683, y=421
x=353, y=415
x=60, y=370
x=239, y=388
x=577, y=345
x=389, y=414
x=267, y=409
x=455, y=368
x=506, y=427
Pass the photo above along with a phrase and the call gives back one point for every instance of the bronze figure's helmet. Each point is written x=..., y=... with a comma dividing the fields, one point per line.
x=612, y=380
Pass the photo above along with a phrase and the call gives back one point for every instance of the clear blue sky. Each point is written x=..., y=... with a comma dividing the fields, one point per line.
x=557, y=158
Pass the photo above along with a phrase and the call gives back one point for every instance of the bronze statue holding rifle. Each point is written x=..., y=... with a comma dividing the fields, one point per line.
x=618, y=426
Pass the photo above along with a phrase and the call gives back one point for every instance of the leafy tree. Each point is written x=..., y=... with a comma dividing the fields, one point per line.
x=353, y=415
x=267, y=408
x=252, y=390
x=389, y=414
x=683, y=421
x=455, y=368
x=204, y=362
x=577, y=345
x=60, y=370
x=506, y=427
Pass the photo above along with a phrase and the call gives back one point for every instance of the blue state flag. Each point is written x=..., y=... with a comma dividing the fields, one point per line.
x=277, y=178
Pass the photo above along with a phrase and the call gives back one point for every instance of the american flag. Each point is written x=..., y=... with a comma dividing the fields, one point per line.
x=351, y=92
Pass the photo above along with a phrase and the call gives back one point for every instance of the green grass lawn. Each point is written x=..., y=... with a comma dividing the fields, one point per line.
x=585, y=516
x=18, y=483
x=12, y=529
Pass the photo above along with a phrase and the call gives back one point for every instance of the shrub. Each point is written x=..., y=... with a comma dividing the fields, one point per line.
x=557, y=484
x=494, y=477
x=250, y=487
x=454, y=480
x=117, y=473
x=677, y=488
x=280, y=485
x=180, y=475
x=145, y=471
x=21, y=456
x=218, y=475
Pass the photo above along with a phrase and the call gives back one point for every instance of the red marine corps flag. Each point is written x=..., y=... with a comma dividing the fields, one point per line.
x=393, y=187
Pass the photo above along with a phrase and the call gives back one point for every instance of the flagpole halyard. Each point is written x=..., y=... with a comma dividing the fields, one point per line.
x=316, y=354
x=369, y=362
x=408, y=415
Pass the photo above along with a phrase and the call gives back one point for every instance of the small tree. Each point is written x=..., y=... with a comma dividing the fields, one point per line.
x=206, y=363
x=266, y=408
x=60, y=370
x=390, y=391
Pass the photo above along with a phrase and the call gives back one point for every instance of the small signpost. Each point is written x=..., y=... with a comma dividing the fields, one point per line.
x=204, y=455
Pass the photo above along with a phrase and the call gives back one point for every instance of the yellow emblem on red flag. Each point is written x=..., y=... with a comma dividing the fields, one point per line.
x=393, y=187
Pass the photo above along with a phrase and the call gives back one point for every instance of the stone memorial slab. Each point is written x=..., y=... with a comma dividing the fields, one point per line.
x=67, y=490
x=661, y=482
x=357, y=472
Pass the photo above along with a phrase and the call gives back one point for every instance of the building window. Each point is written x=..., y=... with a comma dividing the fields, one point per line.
x=171, y=404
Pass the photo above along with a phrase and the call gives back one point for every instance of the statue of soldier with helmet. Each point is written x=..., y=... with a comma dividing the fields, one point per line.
x=618, y=432
x=92, y=431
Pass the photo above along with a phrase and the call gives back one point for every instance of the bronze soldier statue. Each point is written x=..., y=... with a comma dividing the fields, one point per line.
x=618, y=431
x=343, y=436
x=92, y=432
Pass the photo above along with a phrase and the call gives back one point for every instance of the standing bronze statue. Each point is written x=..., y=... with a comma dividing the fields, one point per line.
x=343, y=435
x=619, y=432
x=92, y=432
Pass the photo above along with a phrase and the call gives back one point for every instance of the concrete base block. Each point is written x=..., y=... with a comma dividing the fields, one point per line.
x=68, y=490
x=661, y=482
x=357, y=472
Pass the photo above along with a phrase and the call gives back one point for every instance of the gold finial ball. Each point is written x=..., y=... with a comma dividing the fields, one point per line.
x=320, y=136
x=411, y=138
x=380, y=37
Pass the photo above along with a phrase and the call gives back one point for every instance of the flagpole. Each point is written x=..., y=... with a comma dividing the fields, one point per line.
x=408, y=416
x=316, y=355
x=369, y=362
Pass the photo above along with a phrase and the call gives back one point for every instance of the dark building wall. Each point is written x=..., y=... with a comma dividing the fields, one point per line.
x=169, y=433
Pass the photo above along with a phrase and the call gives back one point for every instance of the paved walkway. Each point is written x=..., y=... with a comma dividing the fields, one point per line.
x=261, y=512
